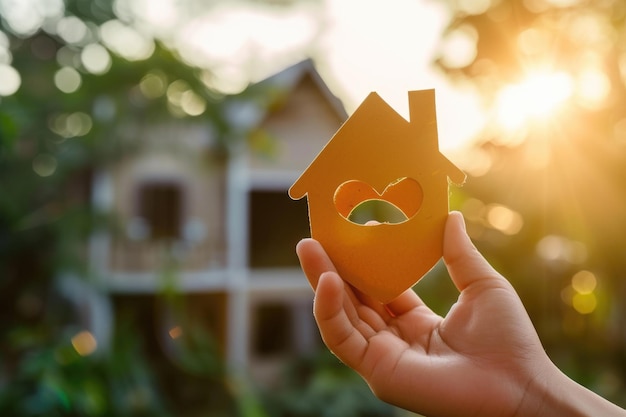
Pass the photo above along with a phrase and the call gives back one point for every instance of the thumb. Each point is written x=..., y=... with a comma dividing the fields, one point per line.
x=465, y=264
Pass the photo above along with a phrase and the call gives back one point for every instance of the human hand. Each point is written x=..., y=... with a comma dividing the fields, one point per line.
x=483, y=358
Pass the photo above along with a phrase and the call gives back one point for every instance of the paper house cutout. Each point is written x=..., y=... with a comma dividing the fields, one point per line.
x=378, y=154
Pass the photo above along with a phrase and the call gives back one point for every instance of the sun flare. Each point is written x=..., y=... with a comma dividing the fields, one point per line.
x=535, y=98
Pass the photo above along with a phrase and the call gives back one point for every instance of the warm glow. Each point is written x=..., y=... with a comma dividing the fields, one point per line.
x=584, y=303
x=535, y=98
x=593, y=88
x=459, y=48
x=504, y=219
x=175, y=332
x=84, y=343
x=584, y=282
x=580, y=294
x=559, y=248
x=355, y=53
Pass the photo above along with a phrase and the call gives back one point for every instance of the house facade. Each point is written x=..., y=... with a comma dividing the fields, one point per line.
x=218, y=230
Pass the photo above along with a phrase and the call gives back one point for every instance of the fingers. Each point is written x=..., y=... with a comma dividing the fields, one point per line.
x=314, y=260
x=465, y=264
x=406, y=302
x=338, y=320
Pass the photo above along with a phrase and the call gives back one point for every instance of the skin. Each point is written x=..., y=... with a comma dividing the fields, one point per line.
x=483, y=358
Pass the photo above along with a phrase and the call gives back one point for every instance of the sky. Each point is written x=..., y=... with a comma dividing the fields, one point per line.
x=359, y=46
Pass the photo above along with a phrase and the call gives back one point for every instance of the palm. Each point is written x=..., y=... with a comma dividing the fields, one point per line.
x=404, y=348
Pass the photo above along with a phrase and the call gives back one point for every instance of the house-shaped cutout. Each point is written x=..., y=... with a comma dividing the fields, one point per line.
x=377, y=146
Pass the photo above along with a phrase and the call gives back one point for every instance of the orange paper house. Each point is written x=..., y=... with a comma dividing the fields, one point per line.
x=377, y=154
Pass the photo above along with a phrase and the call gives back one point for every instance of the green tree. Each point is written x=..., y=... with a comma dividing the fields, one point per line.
x=70, y=94
x=545, y=198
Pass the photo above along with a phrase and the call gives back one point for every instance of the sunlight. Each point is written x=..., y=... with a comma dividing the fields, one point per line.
x=355, y=53
x=458, y=50
x=593, y=88
x=245, y=37
x=535, y=98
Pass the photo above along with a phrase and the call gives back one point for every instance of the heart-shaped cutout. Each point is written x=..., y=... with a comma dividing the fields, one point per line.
x=405, y=193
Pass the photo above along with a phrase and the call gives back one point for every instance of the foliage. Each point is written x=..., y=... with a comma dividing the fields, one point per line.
x=322, y=386
x=546, y=191
x=53, y=379
x=52, y=139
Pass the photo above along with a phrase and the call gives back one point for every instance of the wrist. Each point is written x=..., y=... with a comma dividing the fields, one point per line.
x=554, y=393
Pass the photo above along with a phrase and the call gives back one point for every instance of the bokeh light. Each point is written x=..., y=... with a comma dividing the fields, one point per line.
x=504, y=219
x=25, y=17
x=71, y=125
x=67, y=79
x=153, y=85
x=10, y=80
x=126, y=41
x=44, y=165
x=175, y=332
x=71, y=29
x=559, y=248
x=68, y=57
x=183, y=101
x=84, y=343
x=192, y=104
x=584, y=303
x=584, y=282
x=593, y=88
x=96, y=58
x=580, y=293
x=5, y=53
x=459, y=48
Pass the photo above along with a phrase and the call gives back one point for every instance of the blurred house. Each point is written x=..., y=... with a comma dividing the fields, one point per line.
x=217, y=227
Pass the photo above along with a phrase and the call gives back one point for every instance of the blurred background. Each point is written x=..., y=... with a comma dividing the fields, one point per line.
x=147, y=262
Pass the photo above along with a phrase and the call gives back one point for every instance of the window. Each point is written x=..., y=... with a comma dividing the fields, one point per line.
x=160, y=205
x=277, y=223
x=272, y=329
x=284, y=328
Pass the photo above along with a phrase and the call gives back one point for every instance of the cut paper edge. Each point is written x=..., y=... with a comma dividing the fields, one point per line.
x=381, y=149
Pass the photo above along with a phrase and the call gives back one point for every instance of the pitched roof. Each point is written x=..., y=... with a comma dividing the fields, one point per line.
x=374, y=119
x=289, y=78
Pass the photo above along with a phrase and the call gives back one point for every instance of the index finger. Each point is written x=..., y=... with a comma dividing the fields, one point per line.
x=313, y=260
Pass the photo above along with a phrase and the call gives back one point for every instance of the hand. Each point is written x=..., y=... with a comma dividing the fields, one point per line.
x=483, y=358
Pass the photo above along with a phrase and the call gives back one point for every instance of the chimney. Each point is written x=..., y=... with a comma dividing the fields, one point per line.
x=423, y=117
